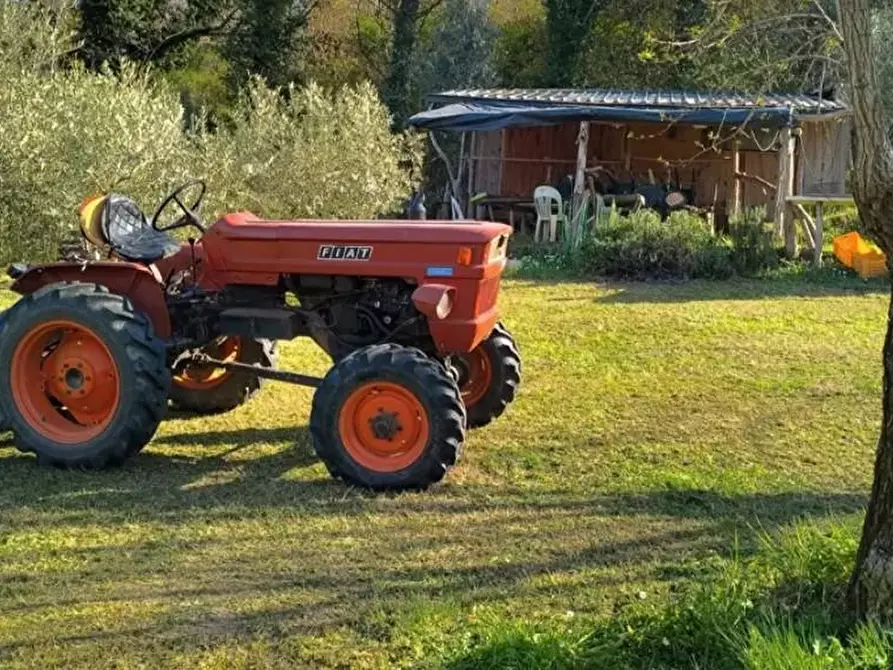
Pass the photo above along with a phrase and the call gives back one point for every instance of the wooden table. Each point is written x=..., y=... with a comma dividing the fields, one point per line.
x=511, y=203
x=815, y=227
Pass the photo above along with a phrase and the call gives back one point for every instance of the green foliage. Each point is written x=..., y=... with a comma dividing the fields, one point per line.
x=460, y=52
x=568, y=23
x=515, y=645
x=753, y=241
x=267, y=41
x=71, y=133
x=761, y=45
x=623, y=35
x=642, y=246
x=780, y=610
x=203, y=79
x=521, y=52
x=145, y=30
x=310, y=154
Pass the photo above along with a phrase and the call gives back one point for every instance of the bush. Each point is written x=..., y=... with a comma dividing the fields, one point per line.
x=310, y=154
x=68, y=133
x=753, y=242
x=642, y=246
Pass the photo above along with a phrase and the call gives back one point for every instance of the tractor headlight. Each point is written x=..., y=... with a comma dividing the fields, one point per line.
x=434, y=300
x=497, y=249
x=444, y=305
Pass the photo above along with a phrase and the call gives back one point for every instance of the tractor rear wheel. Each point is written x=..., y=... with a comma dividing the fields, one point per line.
x=388, y=418
x=489, y=377
x=83, y=380
x=205, y=389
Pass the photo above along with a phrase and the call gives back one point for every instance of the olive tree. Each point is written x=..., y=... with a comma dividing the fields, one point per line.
x=871, y=586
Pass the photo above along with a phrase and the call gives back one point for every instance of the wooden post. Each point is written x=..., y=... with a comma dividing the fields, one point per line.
x=501, y=161
x=454, y=184
x=627, y=156
x=737, y=188
x=819, y=233
x=784, y=222
x=579, y=182
x=472, y=173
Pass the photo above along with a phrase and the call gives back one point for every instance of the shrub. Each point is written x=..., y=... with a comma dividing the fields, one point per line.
x=753, y=242
x=642, y=246
x=68, y=133
x=310, y=154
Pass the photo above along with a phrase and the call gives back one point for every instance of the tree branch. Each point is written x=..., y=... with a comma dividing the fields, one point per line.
x=172, y=41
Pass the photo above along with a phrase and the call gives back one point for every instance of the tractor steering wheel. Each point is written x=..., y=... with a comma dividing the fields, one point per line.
x=190, y=214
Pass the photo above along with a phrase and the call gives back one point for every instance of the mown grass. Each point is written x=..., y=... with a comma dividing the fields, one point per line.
x=662, y=432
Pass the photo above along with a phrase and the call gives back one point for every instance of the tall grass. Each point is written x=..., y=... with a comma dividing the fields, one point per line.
x=782, y=609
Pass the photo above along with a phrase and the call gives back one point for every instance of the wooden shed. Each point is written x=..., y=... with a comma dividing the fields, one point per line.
x=727, y=151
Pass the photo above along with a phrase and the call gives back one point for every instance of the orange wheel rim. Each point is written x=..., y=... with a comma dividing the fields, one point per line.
x=383, y=426
x=203, y=377
x=65, y=382
x=478, y=377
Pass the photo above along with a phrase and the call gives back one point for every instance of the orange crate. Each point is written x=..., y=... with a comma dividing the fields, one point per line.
x=872, y=263
x=847, y=246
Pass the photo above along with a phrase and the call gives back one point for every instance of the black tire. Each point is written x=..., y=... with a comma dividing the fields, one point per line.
x=505, y=365
x=413, y=371
x=140, y=357
x=237, y=389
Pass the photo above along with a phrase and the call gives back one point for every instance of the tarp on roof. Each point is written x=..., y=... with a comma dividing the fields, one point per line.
x=481, y=116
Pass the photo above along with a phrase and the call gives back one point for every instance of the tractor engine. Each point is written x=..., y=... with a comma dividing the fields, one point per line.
x=356, y=312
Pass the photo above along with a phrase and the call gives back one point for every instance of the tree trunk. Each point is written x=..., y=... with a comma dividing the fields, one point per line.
x=397, y=85
x=871, y=585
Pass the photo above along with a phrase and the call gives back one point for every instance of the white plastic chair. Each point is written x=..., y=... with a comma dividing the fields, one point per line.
x=549, y=209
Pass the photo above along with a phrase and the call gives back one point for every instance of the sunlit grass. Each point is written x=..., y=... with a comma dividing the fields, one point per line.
x=658, y=427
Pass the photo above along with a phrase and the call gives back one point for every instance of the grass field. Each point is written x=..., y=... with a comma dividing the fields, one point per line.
x=659, y=428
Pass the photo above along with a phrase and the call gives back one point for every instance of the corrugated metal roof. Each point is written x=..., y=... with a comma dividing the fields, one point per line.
x=801, y=104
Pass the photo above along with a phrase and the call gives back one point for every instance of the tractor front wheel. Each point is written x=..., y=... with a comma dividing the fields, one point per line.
x=388, y=418
x=204, y=389
x=489, y=377
x=83, y=380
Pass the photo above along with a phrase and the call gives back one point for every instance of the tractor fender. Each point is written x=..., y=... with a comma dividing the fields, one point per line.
x=136, y=282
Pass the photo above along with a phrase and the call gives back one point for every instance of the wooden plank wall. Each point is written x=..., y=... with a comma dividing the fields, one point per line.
x=514, y=162
x=542, y=155
x=825, y=157
x=488, y=162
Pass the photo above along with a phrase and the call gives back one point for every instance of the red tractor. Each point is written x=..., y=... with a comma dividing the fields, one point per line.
x=95, y=351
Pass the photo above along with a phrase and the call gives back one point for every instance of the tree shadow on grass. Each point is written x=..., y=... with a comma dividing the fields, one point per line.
x=352, y=565
x=207, y=472
x=156, y=483
x=381, y=572
x=659, y=292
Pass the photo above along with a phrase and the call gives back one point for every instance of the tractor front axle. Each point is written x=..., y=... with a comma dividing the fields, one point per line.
x=265, y=373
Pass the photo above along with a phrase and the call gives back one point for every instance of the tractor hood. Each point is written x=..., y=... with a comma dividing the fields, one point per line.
x=243, y=249
x=247, y=226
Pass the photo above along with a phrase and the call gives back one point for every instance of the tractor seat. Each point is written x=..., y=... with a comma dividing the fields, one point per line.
x=117, y=221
